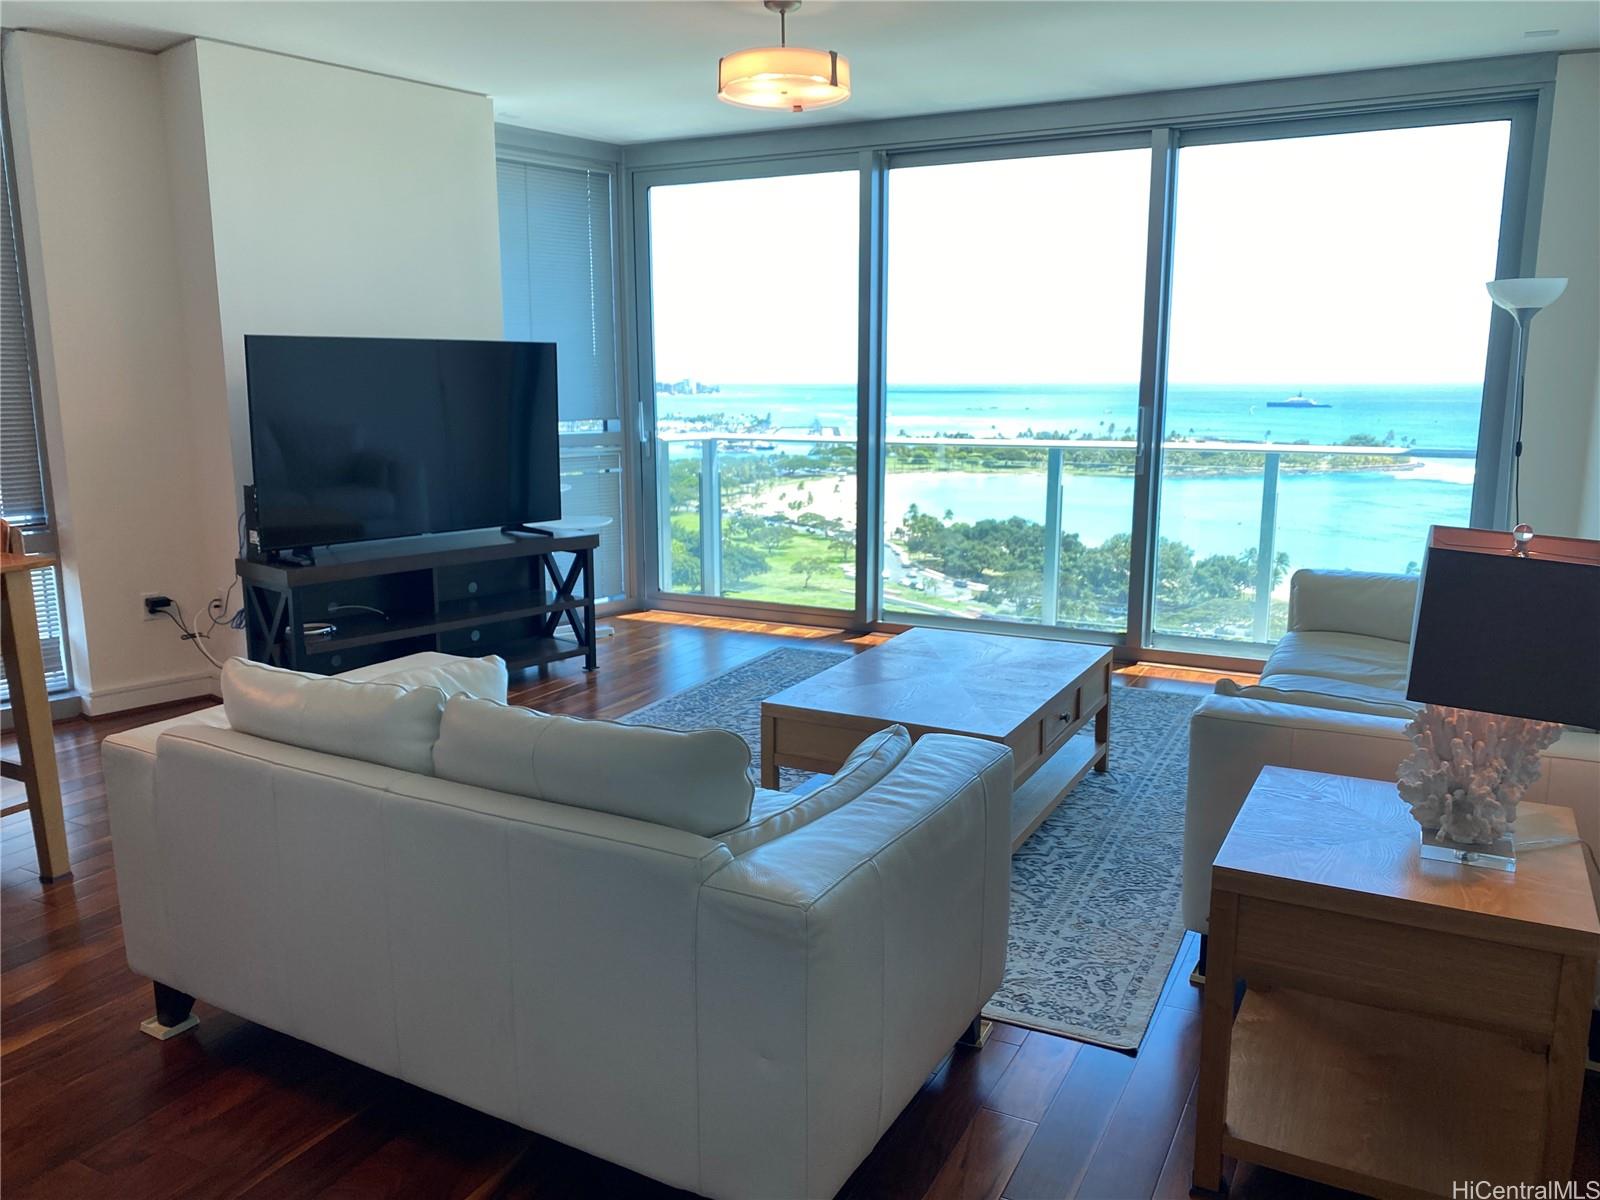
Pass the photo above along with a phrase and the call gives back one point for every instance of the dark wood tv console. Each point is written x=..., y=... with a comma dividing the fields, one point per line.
x=479, y=594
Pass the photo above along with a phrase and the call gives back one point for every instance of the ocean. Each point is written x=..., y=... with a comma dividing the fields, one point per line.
x=1357, y=520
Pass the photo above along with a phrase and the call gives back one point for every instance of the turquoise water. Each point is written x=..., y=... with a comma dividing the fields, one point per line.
x=1443, y=416
x=1359, y=520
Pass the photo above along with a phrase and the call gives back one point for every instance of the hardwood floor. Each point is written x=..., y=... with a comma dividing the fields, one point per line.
x=90, y=1107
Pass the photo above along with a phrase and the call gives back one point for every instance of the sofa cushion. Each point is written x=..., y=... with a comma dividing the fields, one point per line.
x=1309, y=692
x=698, y=782
x=481, y=678
x=385, y=723
x=864, y=769
x=1358, y=602
x=1374, y=663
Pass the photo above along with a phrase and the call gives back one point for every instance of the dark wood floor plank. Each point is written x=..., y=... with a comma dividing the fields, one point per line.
x=1031, y=1082
x=1129, y=1157
x=982, y=1161
x=1008, y=1033
x=1055, y=1159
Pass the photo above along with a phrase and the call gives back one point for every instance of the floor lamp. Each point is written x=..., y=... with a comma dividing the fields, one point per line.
x=1522, y=298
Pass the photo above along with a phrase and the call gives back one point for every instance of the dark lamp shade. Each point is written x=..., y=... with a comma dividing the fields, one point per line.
x=1506, y=634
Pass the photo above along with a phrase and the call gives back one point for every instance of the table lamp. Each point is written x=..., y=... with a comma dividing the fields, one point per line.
x=1505, y=652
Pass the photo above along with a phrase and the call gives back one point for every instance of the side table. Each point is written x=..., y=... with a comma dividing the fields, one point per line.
x=1405, y=1024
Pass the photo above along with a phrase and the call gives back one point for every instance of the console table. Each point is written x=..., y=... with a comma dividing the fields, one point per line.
x=481, y=594
x=1406, y=1024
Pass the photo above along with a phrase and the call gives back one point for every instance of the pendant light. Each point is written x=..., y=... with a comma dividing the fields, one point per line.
x=783, y=76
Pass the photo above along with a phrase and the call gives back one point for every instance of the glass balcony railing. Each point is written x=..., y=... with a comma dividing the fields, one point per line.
x=1040, y=531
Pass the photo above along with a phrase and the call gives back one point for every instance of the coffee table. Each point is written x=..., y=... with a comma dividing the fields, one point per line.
x=1031, y=694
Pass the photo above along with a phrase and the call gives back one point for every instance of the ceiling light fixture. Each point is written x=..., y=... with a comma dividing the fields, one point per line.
x=783, y=76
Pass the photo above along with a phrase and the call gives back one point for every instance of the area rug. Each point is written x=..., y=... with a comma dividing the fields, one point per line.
x=1095, y=920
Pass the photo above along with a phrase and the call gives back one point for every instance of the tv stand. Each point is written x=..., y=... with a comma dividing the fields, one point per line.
x=497, y=594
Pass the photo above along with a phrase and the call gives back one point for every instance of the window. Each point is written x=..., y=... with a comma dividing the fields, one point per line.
x=1126, y=382
x=1013, y=387
x=558, y=285
x=24, y=500
x=755, y=387
x=1329, y=325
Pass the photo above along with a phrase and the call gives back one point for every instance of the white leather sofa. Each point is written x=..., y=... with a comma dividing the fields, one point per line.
x=1332, y=698
x=741, y=1013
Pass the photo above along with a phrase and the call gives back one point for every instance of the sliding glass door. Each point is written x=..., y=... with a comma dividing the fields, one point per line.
x=1326, y=363
x=753, y=329
x=1116, y=387
x=1015, y=306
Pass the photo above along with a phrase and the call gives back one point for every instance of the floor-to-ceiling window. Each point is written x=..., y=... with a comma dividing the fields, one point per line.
x=753, y=311
x=1117, y=386
x=1014, y=314
x=1326, y=362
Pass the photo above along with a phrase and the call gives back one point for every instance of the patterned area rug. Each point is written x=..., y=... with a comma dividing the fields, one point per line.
x=1095, y=891
x=733, y=699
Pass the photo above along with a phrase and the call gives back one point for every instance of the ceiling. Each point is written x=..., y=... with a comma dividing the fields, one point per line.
x=621, y=71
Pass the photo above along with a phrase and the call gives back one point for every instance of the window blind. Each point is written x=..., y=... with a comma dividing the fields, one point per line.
x=557, y=278
x=22, y=497
x=21, y=476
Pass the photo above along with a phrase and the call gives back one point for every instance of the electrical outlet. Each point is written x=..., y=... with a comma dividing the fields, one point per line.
x=153, y=614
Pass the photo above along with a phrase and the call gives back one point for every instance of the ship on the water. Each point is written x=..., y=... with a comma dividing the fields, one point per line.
x=1298, y=400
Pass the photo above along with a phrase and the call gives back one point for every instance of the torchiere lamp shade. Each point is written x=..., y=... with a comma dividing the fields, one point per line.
x=1500, y=632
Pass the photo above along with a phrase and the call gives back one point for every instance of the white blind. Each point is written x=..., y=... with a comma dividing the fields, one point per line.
x=21, y=472
x=557, y=279
x=52, y=647
x=21, y=478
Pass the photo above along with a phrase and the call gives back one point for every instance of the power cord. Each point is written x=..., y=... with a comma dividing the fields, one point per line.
x=190, y=635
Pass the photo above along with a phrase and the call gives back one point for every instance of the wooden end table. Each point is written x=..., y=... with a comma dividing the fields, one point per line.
x=1406, y=1024
x=1031, y=694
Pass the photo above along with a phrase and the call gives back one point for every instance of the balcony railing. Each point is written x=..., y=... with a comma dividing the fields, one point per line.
x=1057, y=455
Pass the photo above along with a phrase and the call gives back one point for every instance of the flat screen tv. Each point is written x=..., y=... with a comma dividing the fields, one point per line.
x=354, y=439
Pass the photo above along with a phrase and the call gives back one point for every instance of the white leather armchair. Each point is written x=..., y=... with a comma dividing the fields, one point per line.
x=737, y=1026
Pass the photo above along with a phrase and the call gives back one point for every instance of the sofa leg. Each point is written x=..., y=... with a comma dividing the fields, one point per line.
x=174, y=1014
x=1198, y=975
x=976, y=1034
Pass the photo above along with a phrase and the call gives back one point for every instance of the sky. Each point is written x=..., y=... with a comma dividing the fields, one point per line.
x=1342, y=259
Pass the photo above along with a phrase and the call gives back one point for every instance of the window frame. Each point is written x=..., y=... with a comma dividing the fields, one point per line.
x=1518, y=88
x=653, y=543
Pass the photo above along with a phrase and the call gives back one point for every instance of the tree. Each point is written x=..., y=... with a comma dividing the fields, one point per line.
x=809, y=566
x=740, y=564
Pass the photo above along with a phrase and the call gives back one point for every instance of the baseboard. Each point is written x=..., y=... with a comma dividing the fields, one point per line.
x=103, y=702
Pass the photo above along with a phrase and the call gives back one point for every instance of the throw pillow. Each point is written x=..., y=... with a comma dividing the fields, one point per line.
x=377, y=722
x=698, y=782
x=866, y=767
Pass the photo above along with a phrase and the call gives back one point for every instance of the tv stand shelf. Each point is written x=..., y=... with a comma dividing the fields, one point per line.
x=482, y=594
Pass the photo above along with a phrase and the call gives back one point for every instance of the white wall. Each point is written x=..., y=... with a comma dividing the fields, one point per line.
x=97, y=236
x=171, y=205
x=341, y=203
x=1561, y=421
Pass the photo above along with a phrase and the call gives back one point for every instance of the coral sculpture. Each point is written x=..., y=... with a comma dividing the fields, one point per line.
x=1469, y=770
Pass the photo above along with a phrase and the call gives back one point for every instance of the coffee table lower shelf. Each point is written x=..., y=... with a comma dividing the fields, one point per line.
x=1382, y=1102
x=1037, y=796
